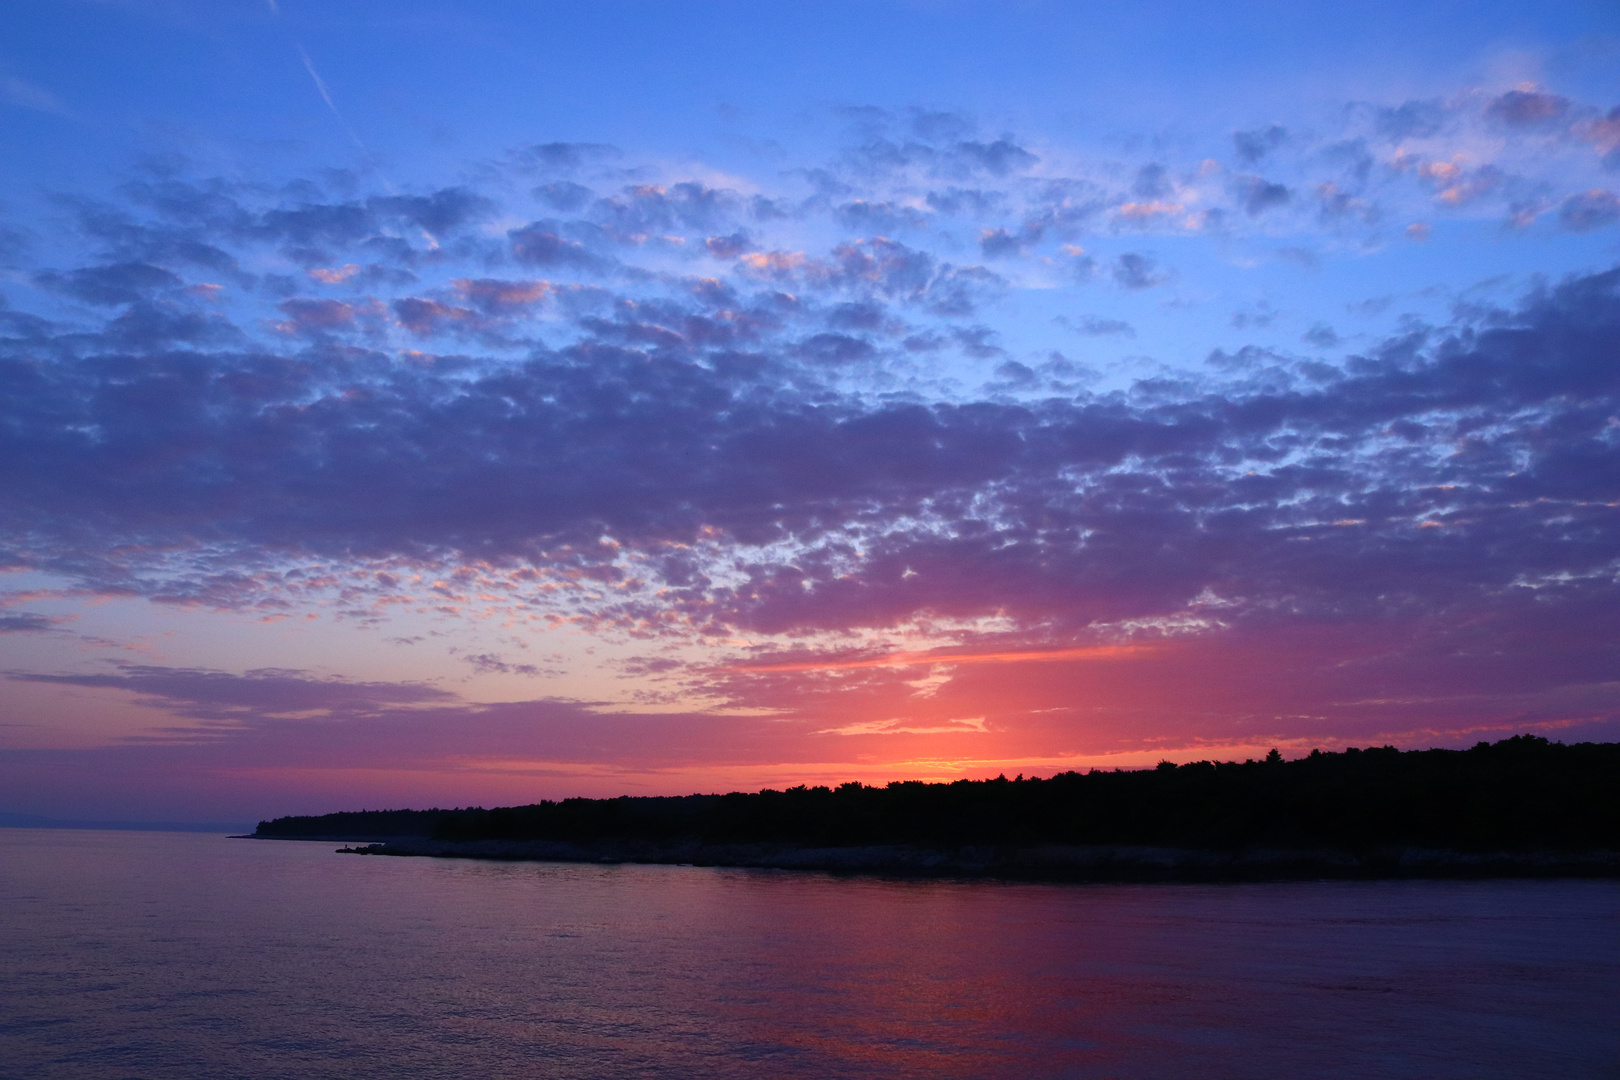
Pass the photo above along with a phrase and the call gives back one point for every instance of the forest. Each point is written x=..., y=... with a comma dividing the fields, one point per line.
x=1520, y=794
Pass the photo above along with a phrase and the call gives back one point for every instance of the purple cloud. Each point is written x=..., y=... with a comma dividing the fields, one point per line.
x=25, y=622
x=1589, y=210
x=1527, y=108
x=216, y=695
x=692, y=432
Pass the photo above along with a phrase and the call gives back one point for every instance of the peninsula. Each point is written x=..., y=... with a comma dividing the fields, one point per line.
x=1523, y=806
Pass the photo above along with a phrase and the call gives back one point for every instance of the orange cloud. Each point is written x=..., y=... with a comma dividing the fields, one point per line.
x=503, y=294
x=335, y=275
x=971, y=724
x=771, y=263
x=912, y=659
x=1141, y=212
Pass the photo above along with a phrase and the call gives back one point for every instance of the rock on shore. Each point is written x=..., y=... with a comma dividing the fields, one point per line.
x=1040, y=863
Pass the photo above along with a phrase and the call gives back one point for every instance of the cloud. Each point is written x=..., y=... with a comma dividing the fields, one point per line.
x=1589, y=210
x=776, y=418
x=427, y=317
x=1337, y=204
x=200, y=694
x=974, y=724
x=684, y=446
x=335, y=275
x=264, y=737
x=729, y=247
x=998, y=158
x=648, y=208
x=971, y=202
x=1251, y=146
x=310, y=224
x=1152, y=182
x=835, y=349
x=865, y=315
x=867, y=216
x=1092, y=326
x=1258, y=194
x=498, y=296
x=896, y=271
x=305, y=313
x=951, y=657
x=564, y=196
x=1322, y=336
x=441, y=213
x=1135, y=271
x=938, y=126
x=1527, y=106
x=1457, y=187
x=1412, y=120
x=565, y=156
x=1604, y=134
x=540, y=245
x=121, y=283
x=494, y=664
x=1142, y=213
x=999, y=243
x=24, y=622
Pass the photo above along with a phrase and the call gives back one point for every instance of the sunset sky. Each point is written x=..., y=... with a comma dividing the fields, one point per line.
x=420, y=403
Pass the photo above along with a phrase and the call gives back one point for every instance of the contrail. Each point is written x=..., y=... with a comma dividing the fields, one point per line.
x=320, y=86
x=326, y=96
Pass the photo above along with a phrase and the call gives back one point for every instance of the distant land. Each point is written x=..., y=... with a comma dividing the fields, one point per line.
x=1523, y=806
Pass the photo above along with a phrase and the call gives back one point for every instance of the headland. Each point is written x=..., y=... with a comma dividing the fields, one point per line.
x=1521, y=807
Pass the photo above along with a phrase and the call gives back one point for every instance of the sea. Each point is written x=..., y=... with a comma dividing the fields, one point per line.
x=174, y=956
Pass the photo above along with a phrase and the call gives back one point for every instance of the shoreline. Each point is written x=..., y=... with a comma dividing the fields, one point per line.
x=1051, y=863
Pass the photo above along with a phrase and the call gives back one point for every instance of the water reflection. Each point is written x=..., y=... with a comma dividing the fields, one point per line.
x=181, y=956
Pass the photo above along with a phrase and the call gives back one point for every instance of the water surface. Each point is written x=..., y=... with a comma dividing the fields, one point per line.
x=173, y=957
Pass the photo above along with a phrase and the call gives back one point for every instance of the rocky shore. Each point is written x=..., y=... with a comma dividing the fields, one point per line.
x=1050, y=862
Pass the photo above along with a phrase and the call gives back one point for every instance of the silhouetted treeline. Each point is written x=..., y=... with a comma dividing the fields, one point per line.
x=356, y=823
x=1522, y=793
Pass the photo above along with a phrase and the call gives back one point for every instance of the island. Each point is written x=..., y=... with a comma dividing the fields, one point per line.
x=1520, y=807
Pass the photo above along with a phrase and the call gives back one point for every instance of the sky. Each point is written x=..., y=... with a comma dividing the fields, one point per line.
x=420, y=403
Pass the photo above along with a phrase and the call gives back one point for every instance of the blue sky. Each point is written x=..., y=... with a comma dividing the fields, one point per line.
x=513, y=400
x=426, y=84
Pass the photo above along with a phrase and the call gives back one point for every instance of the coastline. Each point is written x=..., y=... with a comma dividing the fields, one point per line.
x=1519, y=808
x=1050, y=862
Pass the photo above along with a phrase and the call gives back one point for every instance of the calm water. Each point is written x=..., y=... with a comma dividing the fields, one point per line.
x=173, y=956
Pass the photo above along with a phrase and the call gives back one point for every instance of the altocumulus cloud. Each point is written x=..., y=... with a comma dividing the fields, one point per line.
x=656, y=406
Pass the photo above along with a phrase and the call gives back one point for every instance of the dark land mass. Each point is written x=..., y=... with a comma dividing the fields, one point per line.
x=1520, y=807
